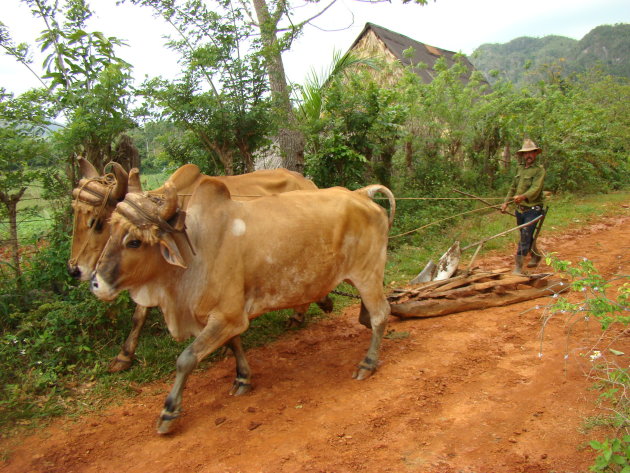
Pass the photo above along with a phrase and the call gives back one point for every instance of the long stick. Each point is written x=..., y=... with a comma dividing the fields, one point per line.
x=537, y=231
x=482, y=200
x=503, y=233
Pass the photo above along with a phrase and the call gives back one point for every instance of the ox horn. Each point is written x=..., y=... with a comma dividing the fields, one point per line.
x=133, y=182
x=169, y=207
x=88, y=171
x=121, y=180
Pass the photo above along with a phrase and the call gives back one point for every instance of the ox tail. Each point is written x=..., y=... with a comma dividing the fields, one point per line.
x=371, y=191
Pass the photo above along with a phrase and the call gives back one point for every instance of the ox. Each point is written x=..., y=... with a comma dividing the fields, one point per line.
x=220, y=262
x=96, y=196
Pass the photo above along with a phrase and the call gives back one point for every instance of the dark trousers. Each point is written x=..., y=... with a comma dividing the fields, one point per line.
x=524, y=215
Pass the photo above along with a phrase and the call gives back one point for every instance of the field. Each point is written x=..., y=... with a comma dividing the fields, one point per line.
x=477, y=391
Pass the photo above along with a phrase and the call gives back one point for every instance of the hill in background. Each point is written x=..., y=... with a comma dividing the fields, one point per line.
x=525, y=60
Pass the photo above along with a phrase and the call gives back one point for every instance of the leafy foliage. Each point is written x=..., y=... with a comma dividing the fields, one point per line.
x=221, y=94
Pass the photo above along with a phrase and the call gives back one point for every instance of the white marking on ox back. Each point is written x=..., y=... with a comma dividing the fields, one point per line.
x=238, y=227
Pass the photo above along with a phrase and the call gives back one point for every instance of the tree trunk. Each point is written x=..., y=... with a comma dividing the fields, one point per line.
x=290, y=139
x=11, y=202
x=94, y=155
x=126, y=153
x=506, y=156
x=409, y=156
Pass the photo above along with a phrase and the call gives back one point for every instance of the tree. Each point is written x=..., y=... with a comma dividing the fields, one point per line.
x=276, y=39
x=22, y=147
x=221, y=96
x=277, y=29
x=87, y=83
x=354, y=135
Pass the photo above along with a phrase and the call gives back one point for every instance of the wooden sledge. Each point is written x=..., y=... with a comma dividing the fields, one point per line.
x=472, y=291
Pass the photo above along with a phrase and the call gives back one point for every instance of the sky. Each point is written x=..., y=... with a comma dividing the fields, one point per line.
x=455, y=25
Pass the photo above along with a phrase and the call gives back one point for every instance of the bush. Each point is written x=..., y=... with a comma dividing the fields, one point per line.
x=52, y=346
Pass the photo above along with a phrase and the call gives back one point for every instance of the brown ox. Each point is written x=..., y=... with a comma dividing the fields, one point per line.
x=233, y=261
x=96, y=196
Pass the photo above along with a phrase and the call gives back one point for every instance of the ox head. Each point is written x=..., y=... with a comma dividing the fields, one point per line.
x=94, y=200
x=141, y=242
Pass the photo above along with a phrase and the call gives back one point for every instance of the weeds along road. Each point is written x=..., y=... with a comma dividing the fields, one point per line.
x=466, y=392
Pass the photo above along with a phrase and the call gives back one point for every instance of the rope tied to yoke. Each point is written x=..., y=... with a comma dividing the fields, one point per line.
x=108, y=181
x=153, y=219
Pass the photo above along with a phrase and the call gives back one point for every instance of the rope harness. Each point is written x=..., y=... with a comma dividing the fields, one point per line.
x=108, y=181
x=157, y=220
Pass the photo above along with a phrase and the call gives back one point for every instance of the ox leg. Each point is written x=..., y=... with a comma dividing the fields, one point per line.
x=125, y=357
x=326, y=304
x=364, y=316
x=374, y=313
x=243, y=381
x=214, y=335
x=298, y=317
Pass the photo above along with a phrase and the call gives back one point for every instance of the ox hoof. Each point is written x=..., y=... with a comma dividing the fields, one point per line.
x=363, y=373
x=165, y=422
x=364, y=370
x=119, y=364
x=295, y=321
x=239, y=388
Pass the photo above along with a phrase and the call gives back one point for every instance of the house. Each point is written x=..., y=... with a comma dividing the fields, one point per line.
x=376, y=41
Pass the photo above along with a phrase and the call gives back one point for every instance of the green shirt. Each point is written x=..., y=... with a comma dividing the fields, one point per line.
x=528, y=182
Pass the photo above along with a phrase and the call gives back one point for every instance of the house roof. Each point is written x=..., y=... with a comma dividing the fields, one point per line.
x=396, y=43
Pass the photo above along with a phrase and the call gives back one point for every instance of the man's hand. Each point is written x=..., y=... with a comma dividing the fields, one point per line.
x=504, y=207
x=519, y=198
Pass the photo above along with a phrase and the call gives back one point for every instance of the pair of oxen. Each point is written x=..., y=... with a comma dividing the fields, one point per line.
x=215, y=252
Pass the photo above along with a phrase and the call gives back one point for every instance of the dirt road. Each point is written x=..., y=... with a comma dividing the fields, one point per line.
x=466, y=392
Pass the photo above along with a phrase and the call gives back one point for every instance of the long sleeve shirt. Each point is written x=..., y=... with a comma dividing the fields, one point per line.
x=528, y=182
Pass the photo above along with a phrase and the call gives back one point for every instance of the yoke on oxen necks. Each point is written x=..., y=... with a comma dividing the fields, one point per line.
x=153, y=218
x=94, y=199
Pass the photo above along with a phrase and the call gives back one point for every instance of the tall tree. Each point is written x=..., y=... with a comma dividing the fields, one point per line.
x=277, y=29
x=221, y=95
x=22, y=151
x=87, y=82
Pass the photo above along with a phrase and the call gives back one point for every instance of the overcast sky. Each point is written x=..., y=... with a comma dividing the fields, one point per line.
x=456, y=25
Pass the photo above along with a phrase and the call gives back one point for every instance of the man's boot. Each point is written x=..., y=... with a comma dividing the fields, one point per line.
x=518, y=265
x=534, y=261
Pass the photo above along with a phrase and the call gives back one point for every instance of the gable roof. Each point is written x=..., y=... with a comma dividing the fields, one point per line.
x=396, y=43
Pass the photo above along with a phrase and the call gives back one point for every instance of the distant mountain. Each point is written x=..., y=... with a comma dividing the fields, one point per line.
x=524, y=60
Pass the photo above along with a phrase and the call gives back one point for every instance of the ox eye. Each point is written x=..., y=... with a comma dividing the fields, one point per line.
x=96, y=224
x=134, y=244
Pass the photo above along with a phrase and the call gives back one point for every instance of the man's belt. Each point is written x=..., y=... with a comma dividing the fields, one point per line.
x=523, y=208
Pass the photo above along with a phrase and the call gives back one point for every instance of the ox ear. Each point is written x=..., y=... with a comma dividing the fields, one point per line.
x=170, y=251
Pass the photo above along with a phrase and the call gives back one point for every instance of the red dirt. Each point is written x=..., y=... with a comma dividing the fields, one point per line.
x=466, y=392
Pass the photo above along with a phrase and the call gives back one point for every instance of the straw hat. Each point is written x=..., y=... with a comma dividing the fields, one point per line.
x=529, y=145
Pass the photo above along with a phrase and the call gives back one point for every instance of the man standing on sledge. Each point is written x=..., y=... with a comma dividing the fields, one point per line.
x=526, y=192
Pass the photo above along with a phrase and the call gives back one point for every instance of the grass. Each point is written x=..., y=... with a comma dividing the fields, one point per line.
x=93, y=388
